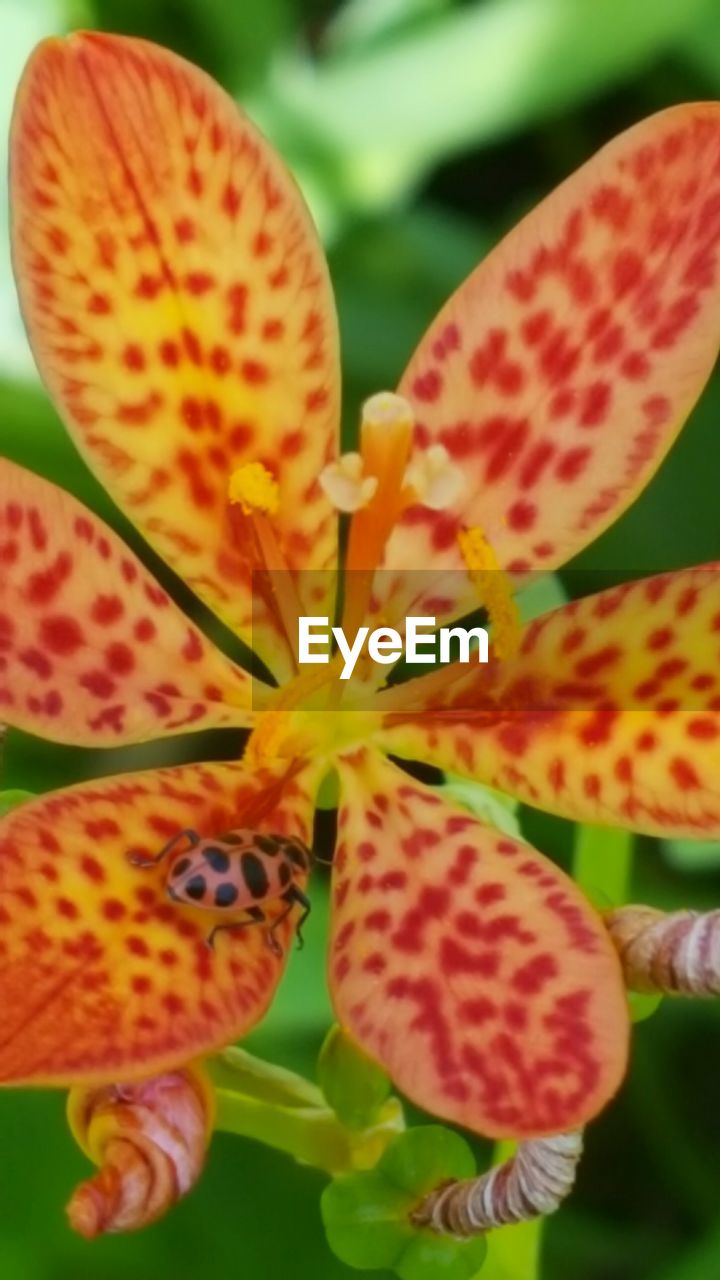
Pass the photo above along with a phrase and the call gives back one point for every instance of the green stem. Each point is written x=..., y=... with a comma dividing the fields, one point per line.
x=602, y=864
x=259, y=1100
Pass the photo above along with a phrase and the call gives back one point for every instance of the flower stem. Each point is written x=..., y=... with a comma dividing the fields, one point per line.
x=602, y=864
x=259, y=1100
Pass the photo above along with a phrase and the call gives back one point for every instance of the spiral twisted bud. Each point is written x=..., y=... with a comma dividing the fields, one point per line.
x=532, y=1182
x=676, y=952
x=149, y=1140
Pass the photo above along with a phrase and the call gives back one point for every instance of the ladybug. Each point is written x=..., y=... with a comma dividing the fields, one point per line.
x=234, y=873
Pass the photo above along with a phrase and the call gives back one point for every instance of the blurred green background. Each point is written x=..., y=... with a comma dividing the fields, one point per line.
x=420, y=130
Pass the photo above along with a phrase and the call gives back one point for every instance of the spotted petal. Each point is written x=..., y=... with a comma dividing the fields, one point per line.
x=101, y=977
x=610, y=714
x=177, y=301
x=560, y=372
x=468, y=964
x=92, y=650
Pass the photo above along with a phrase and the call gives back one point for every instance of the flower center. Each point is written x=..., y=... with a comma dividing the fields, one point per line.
x=302, y=734
x=374, y=486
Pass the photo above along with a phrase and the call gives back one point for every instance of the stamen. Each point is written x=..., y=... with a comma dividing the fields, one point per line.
x=344, y=482
x=254, y=488
x=254, y=496
x=435, y=481
x=495, y=591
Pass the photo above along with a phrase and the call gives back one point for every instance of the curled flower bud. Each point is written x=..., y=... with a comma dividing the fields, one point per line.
x=675, y=952
x=149, y=1140
x=534, y=1181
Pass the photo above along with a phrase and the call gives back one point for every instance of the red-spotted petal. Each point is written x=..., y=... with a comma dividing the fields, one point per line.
x=102, y=977
x=560, y=372
x=469, y=965
x=92, y=650
x=177, y=301
x=610, y=714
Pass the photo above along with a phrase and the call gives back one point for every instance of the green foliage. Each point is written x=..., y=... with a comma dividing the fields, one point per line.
x=367, y=1215
x=257, y=1099
x=353, y=1084
x=490, y=806
x=11, y=799
x=692, y=855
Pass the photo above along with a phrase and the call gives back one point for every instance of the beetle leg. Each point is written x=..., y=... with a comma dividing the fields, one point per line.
x=302, y=898
x=291, y=896
x=152, y=860
x=256, y=916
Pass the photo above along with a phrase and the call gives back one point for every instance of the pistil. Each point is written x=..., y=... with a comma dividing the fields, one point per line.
x=377, y=485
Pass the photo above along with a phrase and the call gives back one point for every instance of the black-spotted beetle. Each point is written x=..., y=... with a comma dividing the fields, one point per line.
x=234, y=873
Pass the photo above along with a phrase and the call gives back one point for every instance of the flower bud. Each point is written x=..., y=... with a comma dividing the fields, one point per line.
x=531, y=1183
x=673, y=952
x=148, y=1139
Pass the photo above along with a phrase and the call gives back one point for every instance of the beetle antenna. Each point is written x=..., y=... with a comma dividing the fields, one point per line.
x=138, y=859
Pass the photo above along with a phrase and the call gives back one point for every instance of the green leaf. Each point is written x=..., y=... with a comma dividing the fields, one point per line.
x=366, y=1220
x=487, y=804
x=11, y=799
x=427, y=1256
x=643, y=1004
x=362, y=24
x=425, y=1156
x=692, y=855
x=472, y=75
x=367, y=1215
x=353, y=1084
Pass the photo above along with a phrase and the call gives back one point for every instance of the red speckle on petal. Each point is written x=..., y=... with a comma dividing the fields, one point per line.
x=522, y=515
x=684, y=774
x=61, y=634
x=120, y=659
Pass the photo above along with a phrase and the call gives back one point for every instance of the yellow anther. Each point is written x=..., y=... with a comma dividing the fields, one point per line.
x=436, y=482
x=476, y=551
x=495, y=591
x=346, y=485
x=254, y=488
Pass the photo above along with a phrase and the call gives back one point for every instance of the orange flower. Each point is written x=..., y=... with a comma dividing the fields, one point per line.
x=179, y=308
